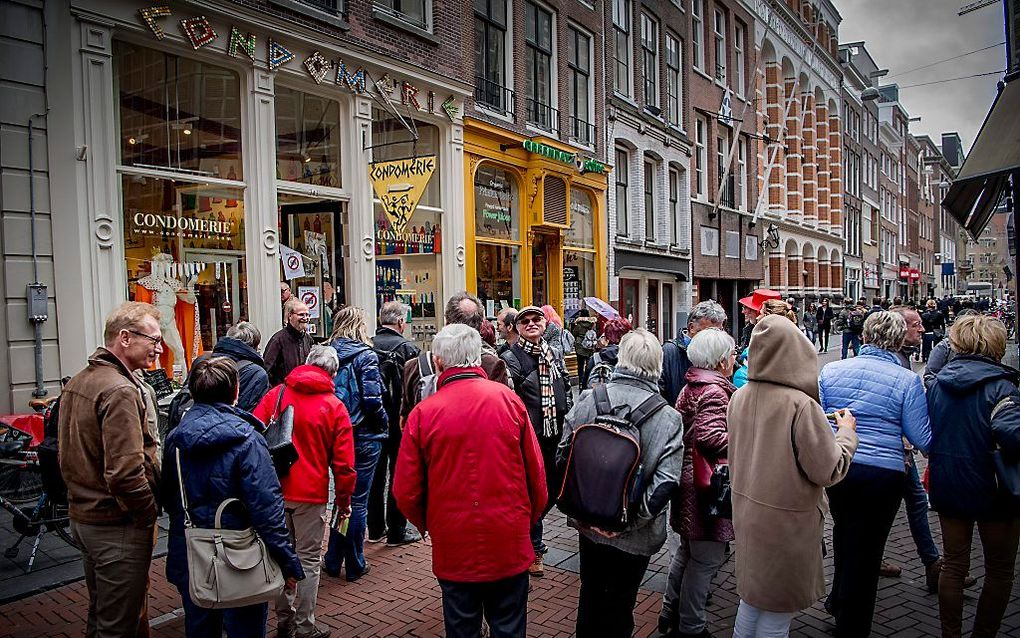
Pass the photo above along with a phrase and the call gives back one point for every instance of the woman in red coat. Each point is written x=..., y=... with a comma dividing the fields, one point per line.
x=702, y=404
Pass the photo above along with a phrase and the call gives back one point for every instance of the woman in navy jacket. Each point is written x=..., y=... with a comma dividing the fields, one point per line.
x=222, y=456
x=975, y=407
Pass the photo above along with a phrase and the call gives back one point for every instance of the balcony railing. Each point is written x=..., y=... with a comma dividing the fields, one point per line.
x=542, y=115
x=494, y=96
x=582, y=132
x=727, y=193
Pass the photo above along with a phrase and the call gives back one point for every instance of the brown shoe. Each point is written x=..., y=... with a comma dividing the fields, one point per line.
x=888, y=570
x=537, y=568
x=931, y=576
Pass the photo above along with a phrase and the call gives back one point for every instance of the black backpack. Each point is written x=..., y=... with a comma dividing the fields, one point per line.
x=855, y=322
x=602, y=477
x=48, y=453
x=391, y=370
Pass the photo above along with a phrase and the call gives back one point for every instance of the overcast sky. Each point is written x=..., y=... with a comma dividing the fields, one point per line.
x=905, y=34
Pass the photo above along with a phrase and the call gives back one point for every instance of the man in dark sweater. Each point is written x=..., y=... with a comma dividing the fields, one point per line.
x=288, y=348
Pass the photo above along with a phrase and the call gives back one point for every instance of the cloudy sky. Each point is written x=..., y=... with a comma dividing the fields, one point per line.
x=905, y=34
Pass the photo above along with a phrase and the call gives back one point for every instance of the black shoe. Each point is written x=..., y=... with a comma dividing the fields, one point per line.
x=377, y=538
x=408, y=538
x=704, y=633
x=368, y=568
x=666, y=625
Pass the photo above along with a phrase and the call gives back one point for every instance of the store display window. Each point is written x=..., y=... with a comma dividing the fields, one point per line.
x=581, y=233
x=307, y=138
x=408, y=221
x=497, y=213
x=578, y=280
x=177, y=113
x=499, y=277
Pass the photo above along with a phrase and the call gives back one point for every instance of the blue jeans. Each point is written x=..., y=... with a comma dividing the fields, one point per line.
x=351, y=548
x=917, y=516
x=853, y=340
x=239, y=622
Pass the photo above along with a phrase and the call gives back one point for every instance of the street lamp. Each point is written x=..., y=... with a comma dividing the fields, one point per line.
x=871, y=93
x=771, y=239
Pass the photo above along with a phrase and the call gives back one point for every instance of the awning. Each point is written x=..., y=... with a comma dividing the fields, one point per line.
x=983, y=179
x=678, y=267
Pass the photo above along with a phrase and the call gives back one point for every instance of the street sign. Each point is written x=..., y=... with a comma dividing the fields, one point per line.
x=309, y=295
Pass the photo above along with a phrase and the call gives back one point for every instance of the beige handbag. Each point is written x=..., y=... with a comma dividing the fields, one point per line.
x=227, y=568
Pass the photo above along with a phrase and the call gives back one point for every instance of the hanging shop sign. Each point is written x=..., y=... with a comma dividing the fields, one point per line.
x=915, y=274
x=399, y=184
x=582, y=164
x=904, y=272
x=200, y=33
x=158, y=223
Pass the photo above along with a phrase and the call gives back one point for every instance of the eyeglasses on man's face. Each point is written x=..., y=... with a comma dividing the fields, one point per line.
x=154, y=340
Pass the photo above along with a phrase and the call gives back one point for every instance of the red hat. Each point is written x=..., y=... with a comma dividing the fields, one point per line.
x=758, y=298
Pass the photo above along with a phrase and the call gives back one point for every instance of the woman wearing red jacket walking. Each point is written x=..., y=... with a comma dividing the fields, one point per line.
x=324, y=440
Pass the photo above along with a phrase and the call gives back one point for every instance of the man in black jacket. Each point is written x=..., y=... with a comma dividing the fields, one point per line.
x=393, y=351
x=707, y=314
x=288, y=348
x=541, y=381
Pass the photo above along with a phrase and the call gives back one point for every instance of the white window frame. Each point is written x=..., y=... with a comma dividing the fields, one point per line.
x=674, y=206
x=719, y=46
x=590, y=115
x=382, y=6
x=698, y=34
x=740, y=188
x=623, y=15
x=648, y=178
x=739, y=42
x=650, y=54
x=674, y=80
x=622, y=170
x=701, y=158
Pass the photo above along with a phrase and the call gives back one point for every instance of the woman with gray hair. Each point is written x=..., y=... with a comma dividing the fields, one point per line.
x=889, y=404
x=702, y=405
x=613, y=564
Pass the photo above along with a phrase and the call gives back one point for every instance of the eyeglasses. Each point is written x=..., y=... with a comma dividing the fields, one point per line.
x=526, y=320
x=153, y=340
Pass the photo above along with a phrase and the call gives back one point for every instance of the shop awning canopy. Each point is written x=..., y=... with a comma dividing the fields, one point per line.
x=984, y=178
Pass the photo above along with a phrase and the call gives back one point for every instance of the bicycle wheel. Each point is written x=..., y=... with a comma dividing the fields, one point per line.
x=20, y=484
x=58, y=521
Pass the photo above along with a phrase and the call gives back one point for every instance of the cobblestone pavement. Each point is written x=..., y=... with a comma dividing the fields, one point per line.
x=401, y=598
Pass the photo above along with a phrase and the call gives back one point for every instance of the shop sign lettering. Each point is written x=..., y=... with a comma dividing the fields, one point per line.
x=399, y=185
x=582, y=164
x=199, y=32
x=156, y=223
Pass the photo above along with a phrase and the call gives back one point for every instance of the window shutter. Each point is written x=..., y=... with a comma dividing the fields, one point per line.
x=555, y=205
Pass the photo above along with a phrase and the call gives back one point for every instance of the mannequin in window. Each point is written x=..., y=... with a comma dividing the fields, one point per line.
x=176, y=304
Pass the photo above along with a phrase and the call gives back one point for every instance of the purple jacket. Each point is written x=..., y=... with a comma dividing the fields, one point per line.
x=702, y=405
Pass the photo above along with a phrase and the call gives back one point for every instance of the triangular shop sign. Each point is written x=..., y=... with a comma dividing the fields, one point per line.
x=277, y=54
x=399, y=184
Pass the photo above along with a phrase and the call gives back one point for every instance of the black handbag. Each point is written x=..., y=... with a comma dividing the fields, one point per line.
x=279, y=435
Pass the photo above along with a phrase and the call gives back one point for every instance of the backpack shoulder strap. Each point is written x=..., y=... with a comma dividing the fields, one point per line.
x=424, y=365
x=648, y=407
x=602, y=404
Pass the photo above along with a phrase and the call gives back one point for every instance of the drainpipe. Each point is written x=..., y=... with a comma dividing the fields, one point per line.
x=38, y=310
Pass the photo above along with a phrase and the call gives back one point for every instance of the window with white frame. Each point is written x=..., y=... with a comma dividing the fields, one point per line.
x=490, y=55
x=650, y=59
x=719, y=32
x=538, y=67
x=741, y=199
x=739, y=44
x=417, y=13
x=698, y=34
x=725, y=189
x=674, y=81
x=674, y=206
x=579, y=86
x=709, y=241
x=700, y=156
x=621, y=171
x=733, y=244
x=649, y=186
x=621, y=46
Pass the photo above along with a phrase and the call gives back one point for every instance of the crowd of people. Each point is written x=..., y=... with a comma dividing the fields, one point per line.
x=743, y=448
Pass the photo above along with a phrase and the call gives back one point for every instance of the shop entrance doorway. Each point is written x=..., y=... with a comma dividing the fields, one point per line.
x=315, y=229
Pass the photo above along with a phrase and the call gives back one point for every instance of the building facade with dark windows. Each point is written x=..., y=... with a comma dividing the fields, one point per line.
x=536, y=166
x=648, y=136
x=196, y=145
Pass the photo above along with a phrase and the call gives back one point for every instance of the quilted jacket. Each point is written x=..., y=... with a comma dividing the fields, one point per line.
x=887, y=400
x=367, y=412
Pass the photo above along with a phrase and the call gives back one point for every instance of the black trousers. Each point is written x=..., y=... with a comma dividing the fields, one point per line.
x=380, y=498
x=503, y=602
x=609, y=585
x=823, y=335
x=863, y=507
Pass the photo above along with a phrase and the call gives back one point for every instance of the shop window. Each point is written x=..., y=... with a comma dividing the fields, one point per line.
x=497, y=215
x=667, y=312
x=184, y=248
x=582, y=211
x=578, y=280
x=498, y=269
x=307, y=138
x=409, y=243
x=177, y=113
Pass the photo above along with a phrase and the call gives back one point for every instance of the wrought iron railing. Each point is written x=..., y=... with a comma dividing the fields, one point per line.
x=581, y=131
x=542, y=115
x=493, y=95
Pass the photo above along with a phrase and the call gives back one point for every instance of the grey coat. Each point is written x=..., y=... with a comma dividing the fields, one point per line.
x=662, y=453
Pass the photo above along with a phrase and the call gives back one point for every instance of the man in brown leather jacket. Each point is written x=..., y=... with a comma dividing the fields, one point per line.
x=108, y=459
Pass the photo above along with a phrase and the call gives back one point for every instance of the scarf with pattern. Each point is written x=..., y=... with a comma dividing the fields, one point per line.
x=548, y=371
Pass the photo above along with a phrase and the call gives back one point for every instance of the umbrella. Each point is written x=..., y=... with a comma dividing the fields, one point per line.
x=601, y=307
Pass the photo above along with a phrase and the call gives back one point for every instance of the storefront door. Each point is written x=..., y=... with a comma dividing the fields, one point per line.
x=543, y=251
x=629, y=300
x=315, y=230
x=652, y=324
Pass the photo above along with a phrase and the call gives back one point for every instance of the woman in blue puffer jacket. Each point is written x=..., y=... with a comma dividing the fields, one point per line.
x=359, y=386
x=889, y=404
x=222, y=456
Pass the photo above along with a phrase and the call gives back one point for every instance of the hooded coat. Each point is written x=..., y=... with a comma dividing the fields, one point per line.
x=367, y=412
x=964, y=435
x=223, y=456
x=252, y=380
x=782, y=455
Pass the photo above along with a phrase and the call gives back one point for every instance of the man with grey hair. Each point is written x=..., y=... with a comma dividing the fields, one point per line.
x=241, y=346
x=707, y=314
x=471, y=469
x=324, y=440
x=288, y=348
x=613, y=565
x=505, y=327
x=394, y=351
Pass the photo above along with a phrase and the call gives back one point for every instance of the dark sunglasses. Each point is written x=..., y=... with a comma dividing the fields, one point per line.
x=532, y=319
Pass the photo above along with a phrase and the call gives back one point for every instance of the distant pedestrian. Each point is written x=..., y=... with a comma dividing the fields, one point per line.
x=470, y=474
x=540, y=380
x=853, y=318
x=289, y=347
x=707, y=314
x=585, y=333
x=612, y=565
x=602, y=363
x=222, y=456
x=109, y=461
x=975, y=411
x=782, y=454
x=324, y=441
x=358, y=385
x=703, y=538
x=934, y=328
x=824, y=318
x=889, y=404
x=810, y=323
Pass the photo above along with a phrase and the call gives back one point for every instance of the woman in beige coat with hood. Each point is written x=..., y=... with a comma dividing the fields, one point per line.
x=782, y=454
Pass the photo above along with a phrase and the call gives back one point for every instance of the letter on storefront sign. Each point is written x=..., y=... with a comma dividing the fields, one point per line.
x=408, y=95
x=353, y=81
x=240, y=42
x=149, y=16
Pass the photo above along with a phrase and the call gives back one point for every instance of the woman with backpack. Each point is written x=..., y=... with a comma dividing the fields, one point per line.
x=585, y=339
x=358, y=385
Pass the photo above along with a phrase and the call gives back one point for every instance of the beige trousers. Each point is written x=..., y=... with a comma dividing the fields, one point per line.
x=306, y=523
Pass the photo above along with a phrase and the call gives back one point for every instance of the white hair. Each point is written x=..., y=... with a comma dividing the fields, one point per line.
x=325, y=357
x=458, y=345
x=641, y=353
x=245, y=332
x=708, y=311
x=709, y=348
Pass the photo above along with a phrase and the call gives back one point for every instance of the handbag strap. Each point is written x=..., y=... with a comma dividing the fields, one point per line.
x=279, y=400
x=221, y=508
x=180, y=484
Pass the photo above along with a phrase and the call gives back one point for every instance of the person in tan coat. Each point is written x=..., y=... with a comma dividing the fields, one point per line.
x=782, y=453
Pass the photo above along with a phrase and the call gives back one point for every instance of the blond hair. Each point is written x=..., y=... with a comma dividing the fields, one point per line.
x=978, y=334
x=777, y=307
x=349, y=323
x=128, y=316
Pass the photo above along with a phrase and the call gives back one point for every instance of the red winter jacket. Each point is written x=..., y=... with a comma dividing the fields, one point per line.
x=470, y=473
x=323, y=437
